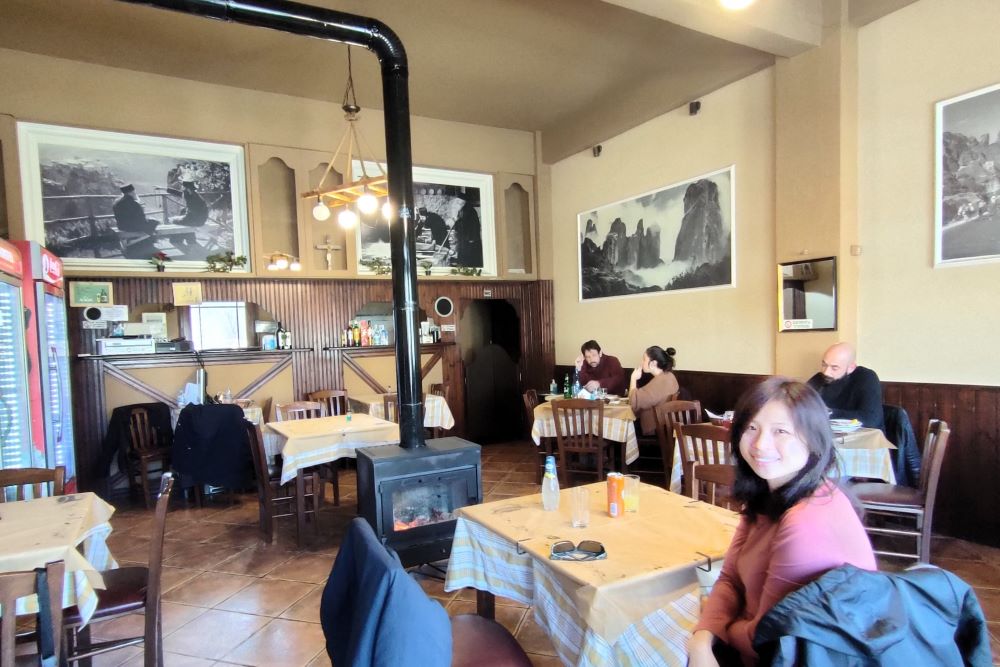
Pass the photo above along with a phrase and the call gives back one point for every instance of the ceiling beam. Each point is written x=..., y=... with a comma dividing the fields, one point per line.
x=780, y=27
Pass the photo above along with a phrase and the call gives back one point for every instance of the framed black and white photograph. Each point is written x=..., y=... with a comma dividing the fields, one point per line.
x=116, y=201
x=967, y=215
x=679, y=237
x=454, y=225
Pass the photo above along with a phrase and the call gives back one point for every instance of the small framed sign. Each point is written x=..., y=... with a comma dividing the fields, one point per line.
x=90, y=294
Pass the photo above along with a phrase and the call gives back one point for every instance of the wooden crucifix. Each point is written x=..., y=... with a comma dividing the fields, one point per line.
x=329, y=248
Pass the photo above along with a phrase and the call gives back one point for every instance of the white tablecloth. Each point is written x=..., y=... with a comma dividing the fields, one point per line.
x=69, y=528
x=437, y=414
x=309, y=442
x=619, y=425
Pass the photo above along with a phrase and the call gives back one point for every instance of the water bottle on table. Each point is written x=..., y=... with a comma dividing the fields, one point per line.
x=550, y=485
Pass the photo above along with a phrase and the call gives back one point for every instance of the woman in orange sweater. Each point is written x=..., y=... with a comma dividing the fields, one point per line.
x=657, y=362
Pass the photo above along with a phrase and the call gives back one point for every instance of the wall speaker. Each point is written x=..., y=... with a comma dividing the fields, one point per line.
x=97, y=314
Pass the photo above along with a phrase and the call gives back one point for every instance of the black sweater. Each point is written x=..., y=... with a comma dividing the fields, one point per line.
x=857, y=395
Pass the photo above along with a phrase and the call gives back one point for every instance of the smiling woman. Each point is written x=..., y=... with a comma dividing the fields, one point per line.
x=797, y=524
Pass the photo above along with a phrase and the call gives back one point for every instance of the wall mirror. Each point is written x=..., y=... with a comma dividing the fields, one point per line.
x=808, y=290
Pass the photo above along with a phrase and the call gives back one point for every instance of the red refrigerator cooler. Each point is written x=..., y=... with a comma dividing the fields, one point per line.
x=16, y=450
x=47, y=347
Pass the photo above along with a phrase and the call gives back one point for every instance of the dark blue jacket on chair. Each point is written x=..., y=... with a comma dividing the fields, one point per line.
x=853, y=617
x=906, y=462
x=374, y=614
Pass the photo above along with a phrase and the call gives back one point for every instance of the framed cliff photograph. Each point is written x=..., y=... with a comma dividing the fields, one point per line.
x=113, y=201
x=454, y=225
x=679, y=237
x=967, y=183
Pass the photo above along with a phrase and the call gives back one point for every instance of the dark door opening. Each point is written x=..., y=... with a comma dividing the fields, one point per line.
x=490, y=344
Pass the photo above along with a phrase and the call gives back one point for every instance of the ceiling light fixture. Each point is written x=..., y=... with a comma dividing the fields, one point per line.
x=736, y=5
x=364, y=192
x=279, y=261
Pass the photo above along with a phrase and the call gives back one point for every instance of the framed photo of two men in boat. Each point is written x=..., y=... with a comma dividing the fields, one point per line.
x=112, y=201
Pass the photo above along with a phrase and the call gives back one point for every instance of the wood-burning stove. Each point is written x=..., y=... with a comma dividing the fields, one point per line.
x=410, y=495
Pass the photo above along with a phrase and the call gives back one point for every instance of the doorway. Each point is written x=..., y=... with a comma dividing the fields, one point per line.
x=490, y=344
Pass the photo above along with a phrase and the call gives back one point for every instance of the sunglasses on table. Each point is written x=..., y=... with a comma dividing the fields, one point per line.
x=585, y=550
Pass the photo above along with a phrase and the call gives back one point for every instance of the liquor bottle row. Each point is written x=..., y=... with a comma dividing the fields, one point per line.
x=364, y=333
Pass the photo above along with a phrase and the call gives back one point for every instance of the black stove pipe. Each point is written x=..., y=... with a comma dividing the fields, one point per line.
x=375, y=36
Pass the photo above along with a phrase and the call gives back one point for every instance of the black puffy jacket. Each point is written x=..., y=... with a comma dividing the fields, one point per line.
x=853, y=617
x=906, y=462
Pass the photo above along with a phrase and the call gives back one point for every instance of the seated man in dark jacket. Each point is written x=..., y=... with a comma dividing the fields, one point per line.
x=849, y=390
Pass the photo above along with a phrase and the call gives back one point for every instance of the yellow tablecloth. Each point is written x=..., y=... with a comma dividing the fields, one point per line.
x=309, y=442
x=437, y=414
x=637, y=607
x=619, y=425
x=36, y=532
x=863, y=453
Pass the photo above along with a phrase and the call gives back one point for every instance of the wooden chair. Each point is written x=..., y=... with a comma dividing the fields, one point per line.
x=127, y=590
x=298, y=410
x=656, y=454
x=531, y=401
x=579, y=433
x=702, y=443
x=147, y=446
x=14, y=585
x=37, y=479
x=706, y=478
x=279, y=500
x=904, y=502
x=390, y=407
x=334, y=401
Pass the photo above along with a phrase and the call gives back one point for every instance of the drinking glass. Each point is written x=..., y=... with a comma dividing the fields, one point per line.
x=580, y=497
x=631, y=493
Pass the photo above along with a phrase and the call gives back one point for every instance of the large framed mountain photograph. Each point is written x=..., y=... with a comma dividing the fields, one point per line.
x=967, y=215
x=679, y=237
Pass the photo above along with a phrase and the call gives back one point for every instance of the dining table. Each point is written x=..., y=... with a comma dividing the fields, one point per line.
x=619, y=426
x=304, y=443
x=437, y=414
x=72, y=528
x=863, y=452
x=637, y=606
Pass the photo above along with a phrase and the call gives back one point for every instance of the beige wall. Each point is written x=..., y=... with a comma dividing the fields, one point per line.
x=54, y=90
x=728, y=329
x=918, y=323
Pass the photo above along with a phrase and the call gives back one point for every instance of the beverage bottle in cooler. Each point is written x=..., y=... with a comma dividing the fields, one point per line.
x=550, y=485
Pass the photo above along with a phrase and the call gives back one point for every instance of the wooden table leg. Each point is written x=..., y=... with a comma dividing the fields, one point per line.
x=486, y=604
x=300, y=505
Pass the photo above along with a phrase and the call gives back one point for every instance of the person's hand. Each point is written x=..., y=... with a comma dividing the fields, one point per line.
x=700, y=650
x=579, y=362
x=592, y=386
x=636, y=374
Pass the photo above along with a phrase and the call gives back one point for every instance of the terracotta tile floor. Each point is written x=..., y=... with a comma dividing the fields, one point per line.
x=231, y=599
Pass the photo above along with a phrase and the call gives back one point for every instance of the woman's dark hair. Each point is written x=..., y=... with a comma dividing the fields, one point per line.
x=812, y=425
x=664, y=358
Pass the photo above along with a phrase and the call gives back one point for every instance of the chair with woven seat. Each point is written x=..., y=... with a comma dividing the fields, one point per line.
x=14, y=585
x=148, y=451
x=706, y=478
x=580, y=437
x=894, y=501
x=334, y=401
x=702, y=443
x=127, y=590
x=35, y=479
x=280, y=500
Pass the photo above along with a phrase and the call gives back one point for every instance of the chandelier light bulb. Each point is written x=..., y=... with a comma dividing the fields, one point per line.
x=271, y=266
x=387, y=210
x=281, y=262
x=367, y=203
x=295, y=265
x=736, y=4
x=320, y=211
x=347, y=218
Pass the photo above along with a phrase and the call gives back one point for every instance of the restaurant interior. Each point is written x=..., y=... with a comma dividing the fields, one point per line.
x=809, y=131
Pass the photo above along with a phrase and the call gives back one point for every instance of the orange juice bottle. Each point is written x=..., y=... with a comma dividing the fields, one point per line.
x=616, y=494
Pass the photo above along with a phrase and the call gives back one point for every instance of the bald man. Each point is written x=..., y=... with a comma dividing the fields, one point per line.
x=849, y=390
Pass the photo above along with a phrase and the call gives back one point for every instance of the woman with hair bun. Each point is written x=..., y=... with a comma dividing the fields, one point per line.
x=659, y=363
x=796, y=522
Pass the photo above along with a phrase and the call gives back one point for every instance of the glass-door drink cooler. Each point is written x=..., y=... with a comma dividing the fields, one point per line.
x=16, y=450
x=47, y=347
